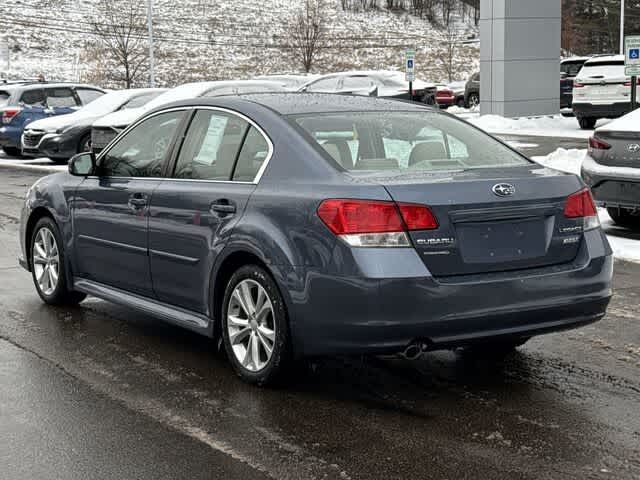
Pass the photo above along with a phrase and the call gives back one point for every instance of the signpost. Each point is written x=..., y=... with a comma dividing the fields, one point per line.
x=632, y=63
x=410, y=65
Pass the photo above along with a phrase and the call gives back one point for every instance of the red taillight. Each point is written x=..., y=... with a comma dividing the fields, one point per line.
x=580, y=205
x=345, y=217
x=417, y=217
x=374, y=222
x=9, y=113
x=444, y=93
x=597, y=144
x=628, y=82
x=578, y=85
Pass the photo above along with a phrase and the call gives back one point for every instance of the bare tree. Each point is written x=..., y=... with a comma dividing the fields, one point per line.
x=308, y=32
x=121, y=27
x=446, y=53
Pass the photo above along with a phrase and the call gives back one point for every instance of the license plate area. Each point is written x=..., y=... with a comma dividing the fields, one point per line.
x=502, y=241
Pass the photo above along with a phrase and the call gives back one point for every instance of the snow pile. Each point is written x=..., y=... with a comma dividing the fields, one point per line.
x=548, y=126
x=564, y=160
x=623, y=248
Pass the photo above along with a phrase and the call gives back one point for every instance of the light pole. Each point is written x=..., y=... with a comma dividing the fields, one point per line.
x=152, y=74
x=621, y=27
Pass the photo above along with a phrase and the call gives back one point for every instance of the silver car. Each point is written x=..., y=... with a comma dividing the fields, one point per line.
x=612, y=169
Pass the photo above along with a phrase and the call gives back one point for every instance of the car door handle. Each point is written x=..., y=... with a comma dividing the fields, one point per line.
x=223, y=207
x=138, y=200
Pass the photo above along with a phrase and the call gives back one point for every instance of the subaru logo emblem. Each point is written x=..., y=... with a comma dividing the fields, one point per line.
x=633, y=147
x=504, y=189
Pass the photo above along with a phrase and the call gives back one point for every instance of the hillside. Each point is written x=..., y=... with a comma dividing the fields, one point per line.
x=221, y=39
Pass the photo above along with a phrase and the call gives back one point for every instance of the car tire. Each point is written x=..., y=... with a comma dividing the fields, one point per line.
x=566, y=114
x=587, y=123
x=47, y=262
x=474, y=100
x=460, y=103
x=12, y=151
x=624, y=217
x=265, y=355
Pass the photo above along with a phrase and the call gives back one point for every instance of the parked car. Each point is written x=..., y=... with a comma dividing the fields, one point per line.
x=380, y=83
x=61, y=137
x=107, y=128
x=569, y=68
x=323, y=225
x=289, y=81
x=612, y=168
x=601, y=90
x=23, y=103
x=472, y=91
x=445, y=96
x=458, y=89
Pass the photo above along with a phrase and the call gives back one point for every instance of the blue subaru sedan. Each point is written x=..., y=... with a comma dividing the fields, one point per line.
x=296, y=225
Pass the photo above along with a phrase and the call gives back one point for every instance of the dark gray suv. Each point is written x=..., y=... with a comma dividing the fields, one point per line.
x=293, y=225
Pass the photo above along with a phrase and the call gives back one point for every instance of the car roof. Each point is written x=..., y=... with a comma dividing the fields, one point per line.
x=303, y=103
x=604, y=58
x=574, y=59
x=38, y=85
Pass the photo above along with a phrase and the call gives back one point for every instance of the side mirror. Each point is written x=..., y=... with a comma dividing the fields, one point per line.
x=82, y=164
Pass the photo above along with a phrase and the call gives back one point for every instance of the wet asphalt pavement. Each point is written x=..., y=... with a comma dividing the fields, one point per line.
x=99, y=391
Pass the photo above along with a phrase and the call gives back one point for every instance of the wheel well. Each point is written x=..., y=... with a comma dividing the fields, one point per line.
x=36, y=215
x=230, y=264
x=81, y=141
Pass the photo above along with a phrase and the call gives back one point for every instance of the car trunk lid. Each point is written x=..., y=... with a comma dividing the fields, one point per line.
x=492, y=220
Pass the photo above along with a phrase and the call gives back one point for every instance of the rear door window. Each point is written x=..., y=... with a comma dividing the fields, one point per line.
x=88, y=95
x=33, y=98
x=4, y=98
x=324, y=85
x=211, y=146
x=253, y=154
x=60, y=97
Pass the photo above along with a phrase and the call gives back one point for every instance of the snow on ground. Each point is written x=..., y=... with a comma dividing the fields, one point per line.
x=548, y=126
x=43, y=165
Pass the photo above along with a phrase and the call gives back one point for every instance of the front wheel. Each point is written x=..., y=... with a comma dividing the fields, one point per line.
x=254, y=326
x=474, y=100
x=624, y=217
x=47, y=265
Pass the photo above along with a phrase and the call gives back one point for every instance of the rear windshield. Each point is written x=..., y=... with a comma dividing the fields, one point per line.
x=405, y=141
x=571, y=69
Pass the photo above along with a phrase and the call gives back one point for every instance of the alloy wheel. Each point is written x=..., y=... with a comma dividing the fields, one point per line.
x=46, y=261
x=251, y=325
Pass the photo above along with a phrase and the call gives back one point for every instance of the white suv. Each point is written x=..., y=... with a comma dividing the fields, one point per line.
x=601, y=90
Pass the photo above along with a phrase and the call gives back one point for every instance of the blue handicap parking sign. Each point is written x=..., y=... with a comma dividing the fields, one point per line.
x=410, y=63
x=634, y=53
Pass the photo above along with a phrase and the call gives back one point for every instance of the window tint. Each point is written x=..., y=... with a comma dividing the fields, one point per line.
x=405, y=141
x=33, y=98
x=211, y=146
x=144, y=150
x=253, y=154
x=60, y=97
x=88, y=95
x=324, y=85
x=571, y=69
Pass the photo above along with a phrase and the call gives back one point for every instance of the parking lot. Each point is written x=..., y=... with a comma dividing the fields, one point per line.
x=105, y=390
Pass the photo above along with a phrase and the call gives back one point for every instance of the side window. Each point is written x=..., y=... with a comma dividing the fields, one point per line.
x=60, y=97
x=88, y=95
x=211, y=146
x=143, y=151
x=32, y=98
x=360, y=82
x=324, y=85
x=253, y=154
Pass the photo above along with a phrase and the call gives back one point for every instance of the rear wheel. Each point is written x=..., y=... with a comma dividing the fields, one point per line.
x=587, y=123
x=460, y=102
x=254, y=326
x=624, y=217
x=47, y=265
x=474, y=100
x=12, y=151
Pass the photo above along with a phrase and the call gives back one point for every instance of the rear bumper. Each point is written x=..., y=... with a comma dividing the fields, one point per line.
x=356, y=315
x=612, y=186
x=611, y=110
